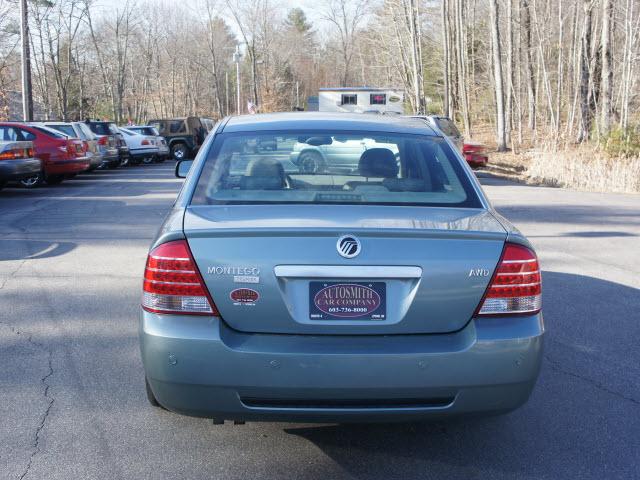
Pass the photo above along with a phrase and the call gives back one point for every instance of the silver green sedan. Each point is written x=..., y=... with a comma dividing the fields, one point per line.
x=389, y=290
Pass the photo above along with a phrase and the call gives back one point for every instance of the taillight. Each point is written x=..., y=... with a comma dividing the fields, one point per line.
x=516, y=285
x=145, y=142
x=102, y=140
x=478, y=149
x=15, y=154
x=172, y=283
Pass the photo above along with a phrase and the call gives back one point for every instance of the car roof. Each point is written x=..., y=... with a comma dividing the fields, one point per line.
x=327, y=121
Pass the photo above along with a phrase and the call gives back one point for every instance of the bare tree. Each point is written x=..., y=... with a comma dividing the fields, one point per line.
x=347, y=18
x=497, y=73
x=607, y=69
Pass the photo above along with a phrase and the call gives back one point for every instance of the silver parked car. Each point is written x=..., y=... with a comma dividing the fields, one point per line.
x=17, y=161
x=446, y=126
x=161, y=143
x=142, y=148
x=391, y=292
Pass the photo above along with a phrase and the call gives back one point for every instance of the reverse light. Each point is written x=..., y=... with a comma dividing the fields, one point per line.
x=172, y=282
x=516, y=286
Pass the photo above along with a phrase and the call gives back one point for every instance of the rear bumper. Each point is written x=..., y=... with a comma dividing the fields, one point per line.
x=19, y=169
x=95, y=160
x=74, y=165
x=198, y=366
x=140, y=153
x=476, y=160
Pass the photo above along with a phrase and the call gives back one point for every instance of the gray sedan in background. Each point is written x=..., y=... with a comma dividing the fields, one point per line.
x=387, y=292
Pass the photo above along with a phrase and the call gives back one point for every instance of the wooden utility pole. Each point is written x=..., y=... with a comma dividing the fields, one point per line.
x=27, y=95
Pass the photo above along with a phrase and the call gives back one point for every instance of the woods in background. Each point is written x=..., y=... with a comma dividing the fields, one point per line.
x=561, y=70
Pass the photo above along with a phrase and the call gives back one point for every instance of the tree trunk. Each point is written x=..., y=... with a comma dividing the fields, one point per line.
x=606, y=94
x=530, y=79
x=446, y=60
x=585, y=73
x=497, y=69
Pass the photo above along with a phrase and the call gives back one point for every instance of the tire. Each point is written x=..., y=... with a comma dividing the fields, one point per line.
x=2, y=184
x=160, y=159
x=122, y=163
x=54, y=179
x=311, y=162
x=31, y=182
x=150, y=396
x=179, y=151
x=147, y=160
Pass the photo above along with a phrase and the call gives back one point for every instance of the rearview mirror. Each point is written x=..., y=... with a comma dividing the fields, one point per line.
x=182, y=168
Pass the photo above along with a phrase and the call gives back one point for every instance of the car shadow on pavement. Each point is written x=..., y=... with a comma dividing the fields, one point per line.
x=581, y=421
x=32, y=249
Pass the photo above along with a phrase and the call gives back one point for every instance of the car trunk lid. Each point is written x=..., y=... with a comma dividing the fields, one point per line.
x=271, y=268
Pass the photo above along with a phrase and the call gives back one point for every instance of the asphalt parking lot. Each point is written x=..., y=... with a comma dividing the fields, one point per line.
x=72, y=401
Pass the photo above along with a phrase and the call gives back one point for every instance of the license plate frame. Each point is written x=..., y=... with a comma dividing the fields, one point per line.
x=348, y=300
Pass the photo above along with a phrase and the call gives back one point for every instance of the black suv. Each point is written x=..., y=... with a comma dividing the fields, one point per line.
x=183, y=135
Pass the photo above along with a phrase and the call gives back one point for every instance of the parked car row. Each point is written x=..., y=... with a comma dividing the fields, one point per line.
x=49, y=152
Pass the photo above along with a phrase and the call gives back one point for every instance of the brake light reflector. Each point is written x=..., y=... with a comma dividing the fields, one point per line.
x=516, y=286
x=172, y=282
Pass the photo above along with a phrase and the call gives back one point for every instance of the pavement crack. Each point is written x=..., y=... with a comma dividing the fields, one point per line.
x=50, y=400
x=12, y=274
x=556, y=366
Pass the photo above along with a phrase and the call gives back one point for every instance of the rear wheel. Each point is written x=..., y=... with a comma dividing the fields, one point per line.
x=124, y=161
x=159, y=159
x=147, y=160
x=31, y=182
x=310, y=162
x=2, y=184
x=179, y=151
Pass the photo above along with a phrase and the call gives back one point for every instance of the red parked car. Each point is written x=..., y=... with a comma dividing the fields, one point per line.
x=62, y=157
x=475, y=154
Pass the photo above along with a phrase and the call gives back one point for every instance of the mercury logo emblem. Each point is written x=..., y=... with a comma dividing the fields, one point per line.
x=348, y=246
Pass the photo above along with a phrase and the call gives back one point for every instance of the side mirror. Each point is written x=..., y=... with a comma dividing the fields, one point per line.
x=182, y=168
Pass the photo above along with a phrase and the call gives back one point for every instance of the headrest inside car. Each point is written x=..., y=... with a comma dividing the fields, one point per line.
x=263, y=174
x=378, y=162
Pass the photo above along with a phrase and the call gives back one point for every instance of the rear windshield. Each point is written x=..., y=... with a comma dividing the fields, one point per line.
x=66, y=129
x=86, y=131
x=50, y=131
x=103, y=128
x=333, y=167
x=145, y=130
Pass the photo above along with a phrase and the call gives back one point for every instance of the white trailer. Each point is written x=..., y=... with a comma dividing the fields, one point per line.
x=361, y=100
